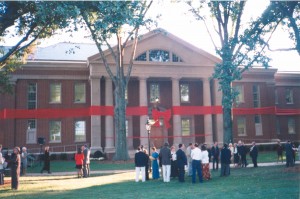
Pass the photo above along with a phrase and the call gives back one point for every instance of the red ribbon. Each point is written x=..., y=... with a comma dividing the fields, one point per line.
x=166, y=115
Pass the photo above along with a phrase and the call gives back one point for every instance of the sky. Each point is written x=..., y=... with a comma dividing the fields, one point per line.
x=176, y=20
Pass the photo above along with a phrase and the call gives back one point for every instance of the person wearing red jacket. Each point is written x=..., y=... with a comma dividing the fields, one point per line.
x=79, y=156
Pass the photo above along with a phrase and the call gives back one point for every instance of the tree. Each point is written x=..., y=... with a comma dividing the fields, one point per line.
x=108, y=20
x=28, y=21
x=238, y=48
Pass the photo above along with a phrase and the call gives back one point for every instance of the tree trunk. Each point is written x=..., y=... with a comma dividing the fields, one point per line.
x=227, y=125
x=120, y=122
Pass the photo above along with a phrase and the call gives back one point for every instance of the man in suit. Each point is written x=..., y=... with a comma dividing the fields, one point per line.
x=165, y=154
x=181, y=162
x=215, y=153
x=254, y=154
x=225, y=161
x=86, y=161
x=140, y=160
x=289, y=154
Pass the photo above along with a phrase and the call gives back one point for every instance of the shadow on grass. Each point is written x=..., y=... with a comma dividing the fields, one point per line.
x=263, y=182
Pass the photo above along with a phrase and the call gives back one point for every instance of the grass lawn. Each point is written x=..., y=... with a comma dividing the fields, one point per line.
x=65, y=166
x=262, y=182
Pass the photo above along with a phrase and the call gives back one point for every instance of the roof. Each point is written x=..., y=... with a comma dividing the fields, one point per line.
x=65, y=51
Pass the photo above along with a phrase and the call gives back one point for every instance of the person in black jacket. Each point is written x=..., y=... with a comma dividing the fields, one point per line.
x=225, y=161
x=215, y=153
x=254, y=154
x=242, y=151
x=289, y=154
x=46, y=161
x=181, y=162
x=140, y=160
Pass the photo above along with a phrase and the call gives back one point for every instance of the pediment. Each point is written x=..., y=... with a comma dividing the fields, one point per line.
x=162, y=40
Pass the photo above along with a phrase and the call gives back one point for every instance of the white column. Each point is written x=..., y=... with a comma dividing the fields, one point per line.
x=176, y=118
x=109, y=120
x=207, y=117
x=95, y=119
x=219, y=117
x=143, y=118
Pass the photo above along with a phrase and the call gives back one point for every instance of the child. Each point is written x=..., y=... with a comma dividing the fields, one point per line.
x=79, y=156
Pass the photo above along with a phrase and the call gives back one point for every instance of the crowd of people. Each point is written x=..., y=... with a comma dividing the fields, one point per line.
x=196, y=159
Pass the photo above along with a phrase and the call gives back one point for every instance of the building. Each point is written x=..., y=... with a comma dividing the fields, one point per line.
x=70, y=101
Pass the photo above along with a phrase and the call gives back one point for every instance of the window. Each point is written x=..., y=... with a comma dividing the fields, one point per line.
x=154, y=92
x=239, y=89
x=258, y=125
x=142, y=57
x=289, y=96
x=186, y=126
x=241, y=125
x=31, y=96
x=55, y=131
x=176, y=58
x=159, y=56
x=55, y=93
x=291, y=125
x=80, y=131
x=256, y=96
x=276, y=96
x=277, y=126
x=31, y=131
x=184, y=93
x=79, y=93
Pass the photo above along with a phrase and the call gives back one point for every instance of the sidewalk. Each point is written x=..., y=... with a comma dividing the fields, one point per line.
x=132, y=170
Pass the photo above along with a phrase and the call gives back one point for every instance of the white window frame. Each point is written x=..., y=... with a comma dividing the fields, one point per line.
x=60, y=133
x=154, y=96
x=242, y=118
x=84, y=90
x=258, y=96
x=60, y=94
x=190, y=126
x=289, y=96
x=84, y=130
x=291, y=125
x=35, y=101
x=31, y=131
x=258, y=125
x=188, y=93
x=240, y=98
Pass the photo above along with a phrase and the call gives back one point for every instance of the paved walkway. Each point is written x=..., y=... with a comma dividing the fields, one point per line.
x=132, y=170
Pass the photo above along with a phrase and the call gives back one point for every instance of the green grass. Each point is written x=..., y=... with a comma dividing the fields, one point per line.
x=263, y=182
x=66, y=166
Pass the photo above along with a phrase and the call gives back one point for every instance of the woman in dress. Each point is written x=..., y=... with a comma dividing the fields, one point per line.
x=15, y=168
x=46, y=160
x=205, y=163
x=154, y=158
x=79, y=156
x=236, y=157
x=174, y=166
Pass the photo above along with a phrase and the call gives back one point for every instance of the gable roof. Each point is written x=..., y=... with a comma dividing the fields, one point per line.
x=161, y=39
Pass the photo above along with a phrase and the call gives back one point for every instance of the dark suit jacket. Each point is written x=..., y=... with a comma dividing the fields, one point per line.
x=215, y=151
x=225, y=156
x=181, y=158
x=254, y=152
x=140, y=159
x=165, y=154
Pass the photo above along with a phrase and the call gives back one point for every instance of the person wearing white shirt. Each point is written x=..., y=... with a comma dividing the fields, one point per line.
x=205, y=163
x=196, y=156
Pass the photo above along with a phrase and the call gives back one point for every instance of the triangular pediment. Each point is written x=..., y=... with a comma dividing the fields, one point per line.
x=160, y=39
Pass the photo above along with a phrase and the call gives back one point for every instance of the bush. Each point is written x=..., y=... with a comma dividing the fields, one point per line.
x=98, y=154
x=53, y=156
x=63, y=156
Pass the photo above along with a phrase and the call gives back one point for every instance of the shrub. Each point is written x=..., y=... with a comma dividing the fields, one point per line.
x=53, y=156
x=63, y=156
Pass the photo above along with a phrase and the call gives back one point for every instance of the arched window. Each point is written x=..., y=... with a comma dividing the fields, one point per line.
x=158, y=55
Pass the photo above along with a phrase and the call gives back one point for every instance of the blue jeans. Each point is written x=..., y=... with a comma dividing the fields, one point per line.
x=196, y=166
